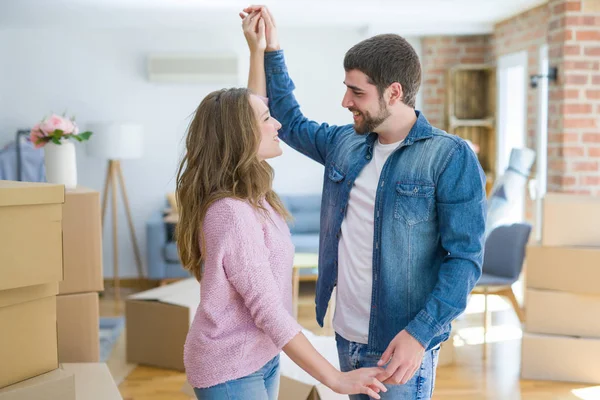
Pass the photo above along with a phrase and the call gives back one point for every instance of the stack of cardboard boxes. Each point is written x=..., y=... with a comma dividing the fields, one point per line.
x=562, y=330
x=77, y=302
x=31, y=275
x=30, y=270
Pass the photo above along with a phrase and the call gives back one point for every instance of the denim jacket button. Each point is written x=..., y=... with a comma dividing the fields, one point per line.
x=368, y=157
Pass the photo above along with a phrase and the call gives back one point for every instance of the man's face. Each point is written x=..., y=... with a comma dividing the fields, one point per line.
x=363, y=100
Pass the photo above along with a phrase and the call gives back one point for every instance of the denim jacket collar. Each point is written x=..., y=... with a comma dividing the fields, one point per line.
x=420, y=130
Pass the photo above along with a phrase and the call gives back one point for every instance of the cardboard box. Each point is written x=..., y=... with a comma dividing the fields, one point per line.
x=560, y=358
x=28, y=332
x=570, y=220
x=30, y=234
x=569, y=269
x=93, y=381
x=297, y=384
x=54, y=385
x=562, y=313
x=87, y=381
x=157, y=323
x=82, y=241
x=292, y=389
x=78, y=322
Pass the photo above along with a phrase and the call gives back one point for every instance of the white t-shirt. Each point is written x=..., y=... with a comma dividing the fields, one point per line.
x=355, y=252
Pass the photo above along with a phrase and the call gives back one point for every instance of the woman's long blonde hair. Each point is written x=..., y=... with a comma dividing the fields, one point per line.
x=220, y=161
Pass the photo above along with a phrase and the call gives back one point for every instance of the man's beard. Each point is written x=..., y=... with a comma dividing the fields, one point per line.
x=370, y=123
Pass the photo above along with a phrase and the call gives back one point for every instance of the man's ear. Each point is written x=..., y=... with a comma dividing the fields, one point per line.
x=395, y=93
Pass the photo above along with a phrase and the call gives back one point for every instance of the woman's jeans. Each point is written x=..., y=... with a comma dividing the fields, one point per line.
x=260, y=385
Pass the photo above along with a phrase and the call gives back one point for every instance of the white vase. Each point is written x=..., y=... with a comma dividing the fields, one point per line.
x=61, y=164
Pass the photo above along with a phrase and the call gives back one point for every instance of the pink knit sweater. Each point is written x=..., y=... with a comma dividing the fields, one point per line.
x=244, y=317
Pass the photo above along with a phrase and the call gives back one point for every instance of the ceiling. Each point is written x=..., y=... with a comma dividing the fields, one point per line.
x=408, y=17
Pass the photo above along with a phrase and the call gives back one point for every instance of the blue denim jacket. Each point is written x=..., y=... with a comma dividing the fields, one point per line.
x=429, y=217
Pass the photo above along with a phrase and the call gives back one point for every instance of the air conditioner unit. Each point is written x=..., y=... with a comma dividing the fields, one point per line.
x=193, y=68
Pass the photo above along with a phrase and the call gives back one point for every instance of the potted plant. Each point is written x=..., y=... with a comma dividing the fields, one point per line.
x=57, y=135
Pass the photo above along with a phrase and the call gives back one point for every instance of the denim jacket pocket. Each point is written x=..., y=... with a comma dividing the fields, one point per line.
x=414, y=202
x=334, y=174
x=334, y=186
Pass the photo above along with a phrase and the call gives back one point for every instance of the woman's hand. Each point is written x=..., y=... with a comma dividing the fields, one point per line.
x=253, y=26
x=359, y=381
x=270, y=25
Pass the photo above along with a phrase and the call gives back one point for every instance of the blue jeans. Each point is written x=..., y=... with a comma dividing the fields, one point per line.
x=260, y=385
x=419, y=387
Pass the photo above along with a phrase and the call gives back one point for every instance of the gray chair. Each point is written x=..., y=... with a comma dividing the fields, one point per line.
x=502, y=265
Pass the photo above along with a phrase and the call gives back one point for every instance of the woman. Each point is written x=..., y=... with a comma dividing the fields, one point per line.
x=232, y=235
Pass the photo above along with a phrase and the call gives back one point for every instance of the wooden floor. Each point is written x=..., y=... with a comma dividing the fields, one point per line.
x=469, y=378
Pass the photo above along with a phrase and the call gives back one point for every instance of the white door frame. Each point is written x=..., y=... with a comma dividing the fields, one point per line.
x=504, y=63
x=541, y=167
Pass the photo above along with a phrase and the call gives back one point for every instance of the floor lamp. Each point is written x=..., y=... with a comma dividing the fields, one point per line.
x=115, y=142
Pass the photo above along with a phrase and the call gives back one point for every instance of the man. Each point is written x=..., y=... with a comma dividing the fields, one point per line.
x=403, y=213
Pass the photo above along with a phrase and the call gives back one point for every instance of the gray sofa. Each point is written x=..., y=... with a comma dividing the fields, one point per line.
x=161, y=249
x=306, y=210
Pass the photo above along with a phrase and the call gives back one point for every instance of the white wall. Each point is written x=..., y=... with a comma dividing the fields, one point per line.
x=99, y=75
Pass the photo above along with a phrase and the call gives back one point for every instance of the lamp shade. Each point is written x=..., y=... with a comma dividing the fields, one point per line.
x=115, y=141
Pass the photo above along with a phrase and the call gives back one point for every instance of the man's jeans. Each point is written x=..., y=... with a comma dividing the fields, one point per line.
x=260, y=385
x=419, y=387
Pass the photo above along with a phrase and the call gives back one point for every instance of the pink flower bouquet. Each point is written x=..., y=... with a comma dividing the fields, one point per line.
x=54, y=128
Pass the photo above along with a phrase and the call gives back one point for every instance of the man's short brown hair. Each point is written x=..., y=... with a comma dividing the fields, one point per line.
x=386, y=59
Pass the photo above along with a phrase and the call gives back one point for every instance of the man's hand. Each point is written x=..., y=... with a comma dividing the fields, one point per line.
x=271, y=28
x=406, y=355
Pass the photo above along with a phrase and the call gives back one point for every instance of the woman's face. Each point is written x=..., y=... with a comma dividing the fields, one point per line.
x=269, y=142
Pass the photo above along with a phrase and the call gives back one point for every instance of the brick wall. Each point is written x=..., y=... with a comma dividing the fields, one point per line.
x=571, y=28
x=574, y=104
x=527, y=31
x=439, y=54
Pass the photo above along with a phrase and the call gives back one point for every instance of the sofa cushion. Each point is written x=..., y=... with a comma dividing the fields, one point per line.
x=306, y=210
x=171, y=254
x=303, y=202
x=305, y=222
